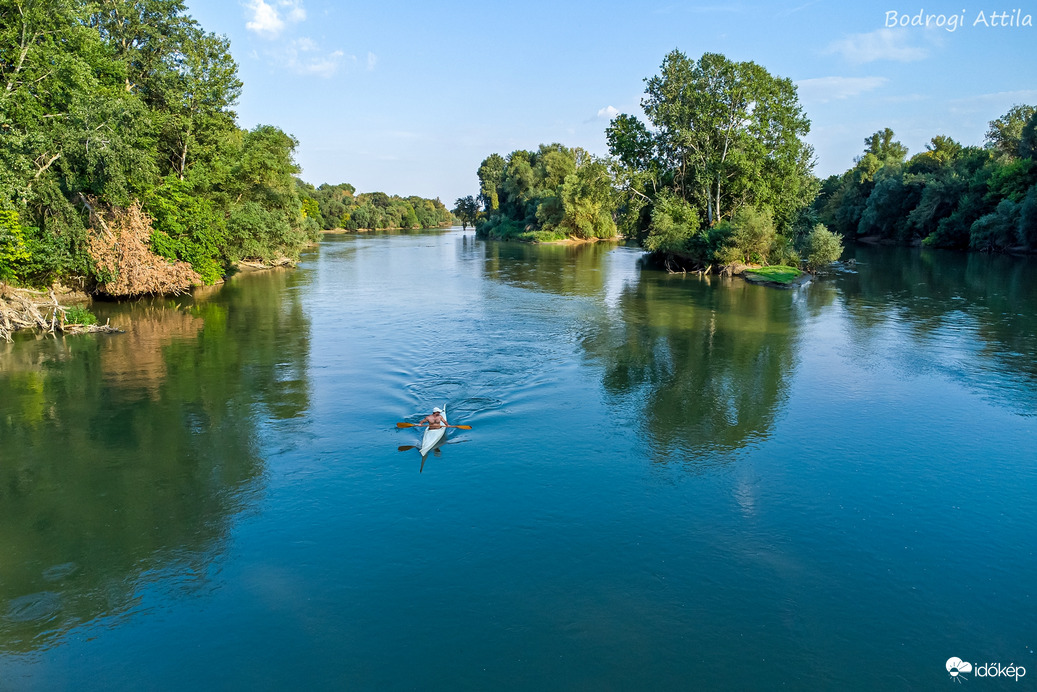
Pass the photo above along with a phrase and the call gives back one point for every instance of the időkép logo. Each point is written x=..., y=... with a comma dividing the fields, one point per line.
x=959, y=670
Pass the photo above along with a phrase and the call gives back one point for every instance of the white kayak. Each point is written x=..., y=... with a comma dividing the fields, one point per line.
x=433, y=437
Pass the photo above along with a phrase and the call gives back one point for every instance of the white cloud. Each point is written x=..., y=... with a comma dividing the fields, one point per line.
x=372, y=60
x=609, y=112
x=881, y=44
x=824, y=89
x=266, y=20
x=295, y=11
x=298, y=57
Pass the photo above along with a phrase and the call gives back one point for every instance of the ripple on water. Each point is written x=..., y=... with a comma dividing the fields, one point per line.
x=59, y=572
x=43, y=605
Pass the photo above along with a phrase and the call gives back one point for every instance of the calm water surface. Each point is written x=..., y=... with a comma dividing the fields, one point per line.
x=671, y=482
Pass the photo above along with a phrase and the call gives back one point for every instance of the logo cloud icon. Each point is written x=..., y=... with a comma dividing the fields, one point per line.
x=956, y=666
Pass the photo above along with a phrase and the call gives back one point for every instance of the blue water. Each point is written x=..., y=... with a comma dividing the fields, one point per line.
x=671, y=482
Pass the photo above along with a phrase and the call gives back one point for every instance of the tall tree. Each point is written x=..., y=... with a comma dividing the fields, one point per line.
x=491, y=177
x=883, y=147
x=730, y=133
x=467, y=210
x=1006, y=133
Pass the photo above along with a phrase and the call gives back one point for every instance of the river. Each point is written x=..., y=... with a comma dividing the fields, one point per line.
x=671, y=481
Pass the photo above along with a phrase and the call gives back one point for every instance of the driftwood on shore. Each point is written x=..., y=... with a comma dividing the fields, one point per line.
x=21, y=311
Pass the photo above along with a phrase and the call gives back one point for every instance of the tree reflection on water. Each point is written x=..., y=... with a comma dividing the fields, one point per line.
x=125, y=456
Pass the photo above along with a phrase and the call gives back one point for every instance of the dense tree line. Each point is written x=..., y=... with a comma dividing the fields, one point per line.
x=548, y=194
x=719, y=173
x=117, y=105
x=950, y=195
x=338, y=206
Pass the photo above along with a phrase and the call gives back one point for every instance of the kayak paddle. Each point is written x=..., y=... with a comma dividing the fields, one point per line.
x=414, y=425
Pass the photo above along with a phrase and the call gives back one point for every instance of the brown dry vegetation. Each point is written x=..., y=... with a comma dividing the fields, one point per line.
x=118, y=244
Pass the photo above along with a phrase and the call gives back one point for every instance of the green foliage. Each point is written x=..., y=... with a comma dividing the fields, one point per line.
x=884, y=148
x=501, y=227
x=491, y=179
x=188, y=227
x=821, y=247
x=752, y=237
x=949, y=196
x=13, y=252
x=1028, y=138
x=119, y=102
x=674, y=229
x=722, y=136
x=1005, y=134
x=80, y=315
x=783, y=252
x=587, y=201
x=732, y=136
x=467, y=210
x=552, y=193
x=1027, y=230
x=256, y=232
x=996, y=230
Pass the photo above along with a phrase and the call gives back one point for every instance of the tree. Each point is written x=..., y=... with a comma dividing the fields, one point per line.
x=729, y=133
x=1028, y=138
x=822, y=247
x=674, y=227
x=491, y=176
x=587, y=200
x=1005, y=133
x=467, y=210
x=886, y=149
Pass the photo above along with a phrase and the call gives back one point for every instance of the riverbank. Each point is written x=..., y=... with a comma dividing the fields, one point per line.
x=343, y=231
x=578, y=241
x=22, y=308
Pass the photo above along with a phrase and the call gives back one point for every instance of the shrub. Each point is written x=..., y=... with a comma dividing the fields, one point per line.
x=822, y=247
x=674, y=226
x=783, y=253
x=80, y=315
x=751, y=238
x=188, y=228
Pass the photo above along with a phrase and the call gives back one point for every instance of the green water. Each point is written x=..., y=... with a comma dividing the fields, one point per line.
x=671, y=482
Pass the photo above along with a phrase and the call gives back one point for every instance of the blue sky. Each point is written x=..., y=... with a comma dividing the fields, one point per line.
x=409, y=97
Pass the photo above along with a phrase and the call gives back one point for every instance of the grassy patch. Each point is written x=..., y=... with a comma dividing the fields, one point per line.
x=542, y=236
x=779, y=275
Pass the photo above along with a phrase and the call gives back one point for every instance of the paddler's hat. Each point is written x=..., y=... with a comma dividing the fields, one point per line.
x=437, y=410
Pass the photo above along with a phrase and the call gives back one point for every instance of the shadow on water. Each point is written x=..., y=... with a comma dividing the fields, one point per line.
x=704, y=361
x=972, y=317
x=564, y=269
x=124, y=457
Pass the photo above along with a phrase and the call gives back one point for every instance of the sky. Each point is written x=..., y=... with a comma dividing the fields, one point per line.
x=408, y=98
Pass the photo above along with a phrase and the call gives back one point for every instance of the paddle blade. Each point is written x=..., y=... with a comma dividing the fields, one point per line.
x=404, y=448
x=405, y=425
x=463, y=427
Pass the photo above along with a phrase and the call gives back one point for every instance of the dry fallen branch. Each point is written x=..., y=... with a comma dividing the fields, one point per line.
x=17, y=311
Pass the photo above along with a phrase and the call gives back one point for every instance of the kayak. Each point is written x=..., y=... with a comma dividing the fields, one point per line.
x=431, y=438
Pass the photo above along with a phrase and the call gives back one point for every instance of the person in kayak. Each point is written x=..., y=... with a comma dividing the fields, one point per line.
x=435, y=420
